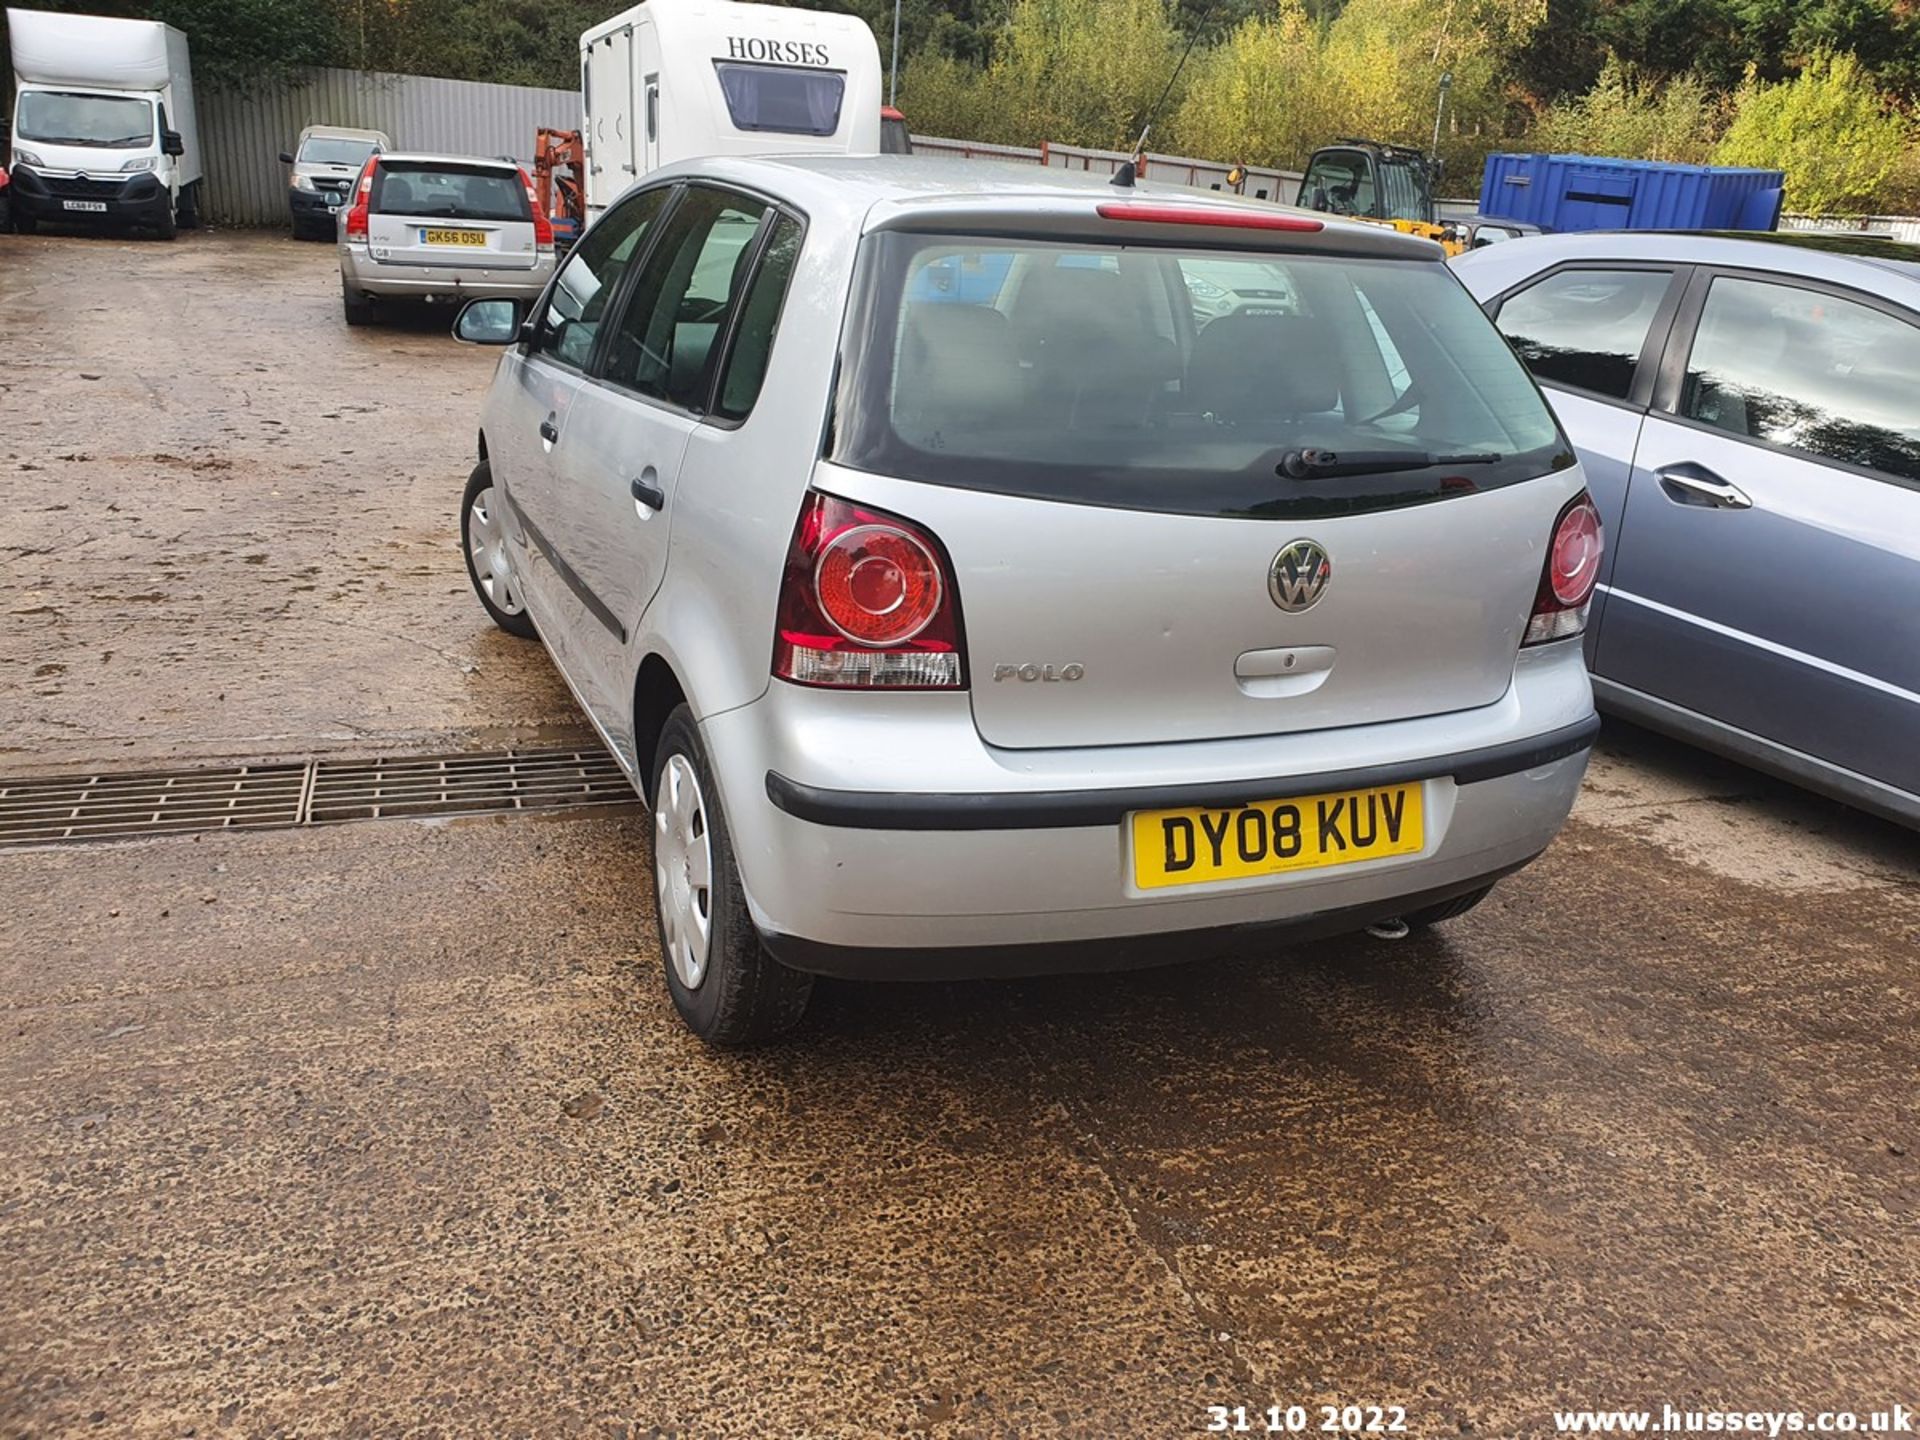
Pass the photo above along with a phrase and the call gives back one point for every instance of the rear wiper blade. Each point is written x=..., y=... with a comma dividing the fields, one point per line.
x=1312, y=464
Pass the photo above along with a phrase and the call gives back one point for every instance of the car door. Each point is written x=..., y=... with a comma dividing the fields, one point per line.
x=1593, y=334
x=619, y=461
x=536, y=396
x=1768, y=568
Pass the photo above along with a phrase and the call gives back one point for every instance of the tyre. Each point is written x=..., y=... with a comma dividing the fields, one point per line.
x=1447, y=909
x=357, y=305
x=189, y=211
x=485, y=546
x=23, y=223
x=167, y=226
x=725, y=985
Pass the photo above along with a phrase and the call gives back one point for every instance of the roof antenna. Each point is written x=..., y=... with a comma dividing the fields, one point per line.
x=1129, y=170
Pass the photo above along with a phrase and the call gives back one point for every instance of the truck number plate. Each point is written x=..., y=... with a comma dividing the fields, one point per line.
x=97, y=207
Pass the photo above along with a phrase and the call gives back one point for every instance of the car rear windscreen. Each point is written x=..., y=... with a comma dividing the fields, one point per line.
x=1203, y=381
x=449, y=192
x=785, y=99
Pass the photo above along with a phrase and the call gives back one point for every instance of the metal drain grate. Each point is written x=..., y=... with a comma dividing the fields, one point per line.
x=464, y=784
x=110, y=807
x=59, y=809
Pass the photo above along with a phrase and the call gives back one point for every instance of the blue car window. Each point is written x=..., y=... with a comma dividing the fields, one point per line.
x=1584, y=328
x=1807, y=371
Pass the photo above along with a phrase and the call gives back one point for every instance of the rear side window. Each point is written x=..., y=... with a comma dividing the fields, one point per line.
x=1584, y=328
x=759, y=322
x=1807, y=371
x=667, y=340
x=1186, y=382
x=449, y=192
x=782, y=98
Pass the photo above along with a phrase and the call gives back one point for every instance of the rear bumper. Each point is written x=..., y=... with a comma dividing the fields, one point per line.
x=847, y=847
x=138, y=199
x=430, y=282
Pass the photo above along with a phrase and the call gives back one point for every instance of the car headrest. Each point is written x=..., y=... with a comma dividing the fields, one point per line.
x=956, y=361
x=1247, y=367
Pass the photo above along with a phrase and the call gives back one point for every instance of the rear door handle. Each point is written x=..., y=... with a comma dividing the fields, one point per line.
x=647, y=492
x=549, y=432
x=1697, y=485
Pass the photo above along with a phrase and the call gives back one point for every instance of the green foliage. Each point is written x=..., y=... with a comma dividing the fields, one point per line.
x=1811, y=86
x=1628, y=116
x=1827, y=128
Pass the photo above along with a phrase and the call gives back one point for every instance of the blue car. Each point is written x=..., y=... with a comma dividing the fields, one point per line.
x=1747, y=411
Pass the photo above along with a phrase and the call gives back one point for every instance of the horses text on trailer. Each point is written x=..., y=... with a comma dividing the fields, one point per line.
x=674, y=79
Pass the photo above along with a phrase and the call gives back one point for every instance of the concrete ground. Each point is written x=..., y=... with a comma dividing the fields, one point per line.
x=389, y=1129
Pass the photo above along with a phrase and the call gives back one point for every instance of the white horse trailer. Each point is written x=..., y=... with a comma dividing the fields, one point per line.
x=671, y=80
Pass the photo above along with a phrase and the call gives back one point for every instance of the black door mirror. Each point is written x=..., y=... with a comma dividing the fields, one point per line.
x=285, y=158
x=488, y=322
x=171, y=143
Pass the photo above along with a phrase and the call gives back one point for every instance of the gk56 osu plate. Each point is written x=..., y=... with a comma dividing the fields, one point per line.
x=1270, y=837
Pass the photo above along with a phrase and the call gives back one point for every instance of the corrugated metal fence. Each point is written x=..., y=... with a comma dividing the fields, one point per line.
x=243, y=134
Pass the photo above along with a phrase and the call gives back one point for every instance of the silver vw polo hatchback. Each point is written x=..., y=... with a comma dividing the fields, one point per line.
x=969, y=592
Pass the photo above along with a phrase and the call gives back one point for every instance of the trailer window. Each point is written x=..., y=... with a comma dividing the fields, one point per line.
x=786, y=99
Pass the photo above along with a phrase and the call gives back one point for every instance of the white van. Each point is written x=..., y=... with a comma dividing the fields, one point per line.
x=104, y=129
x=672, y=80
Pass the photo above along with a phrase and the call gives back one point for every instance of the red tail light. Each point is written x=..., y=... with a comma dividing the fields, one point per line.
x=1566, y=584
x=542, y=222
x=867, y=600
x=362, y=192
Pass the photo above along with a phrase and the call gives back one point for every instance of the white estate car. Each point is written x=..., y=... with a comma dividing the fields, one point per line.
x=965, y=601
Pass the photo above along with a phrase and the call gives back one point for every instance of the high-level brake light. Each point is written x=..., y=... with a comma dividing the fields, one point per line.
x=1220, y=216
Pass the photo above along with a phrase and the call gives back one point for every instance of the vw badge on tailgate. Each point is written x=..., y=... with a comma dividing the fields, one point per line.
x=1299, y=575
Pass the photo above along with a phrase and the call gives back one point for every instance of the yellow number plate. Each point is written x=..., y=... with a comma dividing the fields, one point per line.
x=1270, y=837
x=453, y=237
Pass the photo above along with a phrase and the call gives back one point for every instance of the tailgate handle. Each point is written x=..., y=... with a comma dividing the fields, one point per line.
x=1697, y=485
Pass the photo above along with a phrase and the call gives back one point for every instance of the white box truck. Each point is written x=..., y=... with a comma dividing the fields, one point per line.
x=104, y=130
x=675, y=79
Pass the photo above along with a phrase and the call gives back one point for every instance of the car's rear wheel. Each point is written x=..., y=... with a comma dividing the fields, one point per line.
x=357, y=305
x=1447, y=909
x=725, y=985
x=489, y=566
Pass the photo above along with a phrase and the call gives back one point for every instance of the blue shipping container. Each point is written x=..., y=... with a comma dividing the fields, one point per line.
x=1582, y=192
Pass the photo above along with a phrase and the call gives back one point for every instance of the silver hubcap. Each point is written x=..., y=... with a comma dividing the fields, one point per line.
x=487, y=544
x=683, y=870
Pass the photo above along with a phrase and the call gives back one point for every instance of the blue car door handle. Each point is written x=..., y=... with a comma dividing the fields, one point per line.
x=1696, y=485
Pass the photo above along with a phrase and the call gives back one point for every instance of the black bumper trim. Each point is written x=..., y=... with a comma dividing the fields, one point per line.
x=1074, y=809
x=1122, y=952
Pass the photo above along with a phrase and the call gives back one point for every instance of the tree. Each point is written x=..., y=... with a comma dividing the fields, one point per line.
x=1827, y=128
x=1627, y=115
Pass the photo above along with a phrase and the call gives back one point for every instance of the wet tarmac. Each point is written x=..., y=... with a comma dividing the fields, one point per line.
x=389, y=1129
